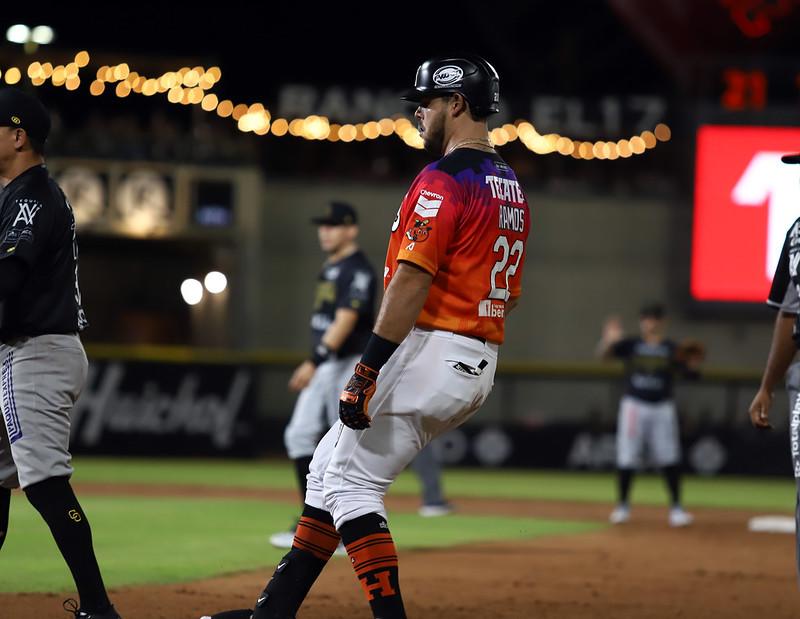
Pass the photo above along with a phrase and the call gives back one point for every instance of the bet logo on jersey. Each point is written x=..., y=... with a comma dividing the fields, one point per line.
x=419, y=231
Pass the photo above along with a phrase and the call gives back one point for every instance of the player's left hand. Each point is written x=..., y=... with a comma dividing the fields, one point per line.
x=302, y=376
x=354, y=401
x=759, y=410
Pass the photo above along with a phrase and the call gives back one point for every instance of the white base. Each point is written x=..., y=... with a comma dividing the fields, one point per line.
x=771, y=524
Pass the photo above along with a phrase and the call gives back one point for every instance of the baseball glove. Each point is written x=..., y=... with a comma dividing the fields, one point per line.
x=691, y=351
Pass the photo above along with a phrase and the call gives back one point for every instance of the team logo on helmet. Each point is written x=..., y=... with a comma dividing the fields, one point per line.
x=419, y=231
x=448, y=75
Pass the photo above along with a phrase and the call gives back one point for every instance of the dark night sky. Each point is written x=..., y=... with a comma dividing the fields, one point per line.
x=565, y=47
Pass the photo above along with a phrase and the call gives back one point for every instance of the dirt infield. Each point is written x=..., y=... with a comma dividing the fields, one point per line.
x=643, y=570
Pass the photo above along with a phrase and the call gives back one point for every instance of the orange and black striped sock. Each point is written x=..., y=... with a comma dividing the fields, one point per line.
x=314, y=542
x=374, y=557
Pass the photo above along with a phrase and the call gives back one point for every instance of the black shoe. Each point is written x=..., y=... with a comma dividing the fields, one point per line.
x=71, y=606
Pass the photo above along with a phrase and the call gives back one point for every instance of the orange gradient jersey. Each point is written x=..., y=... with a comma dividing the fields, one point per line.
x=465, y=220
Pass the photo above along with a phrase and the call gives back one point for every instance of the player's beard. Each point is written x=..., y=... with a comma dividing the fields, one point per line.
x=434, y=136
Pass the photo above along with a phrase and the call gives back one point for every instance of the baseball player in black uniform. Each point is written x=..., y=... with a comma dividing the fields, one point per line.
x=784, y=296
x=42, y=362
x=647, y=415
x=341, y=325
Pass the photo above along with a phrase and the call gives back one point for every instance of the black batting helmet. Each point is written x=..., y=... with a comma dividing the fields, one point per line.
x=471, y=76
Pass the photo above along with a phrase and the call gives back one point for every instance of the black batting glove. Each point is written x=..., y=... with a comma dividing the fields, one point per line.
x=354, y=401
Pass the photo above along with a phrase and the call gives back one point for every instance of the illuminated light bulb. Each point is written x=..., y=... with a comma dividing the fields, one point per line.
x=401, y=125
x=59, y=75
x=97, y=87
x=175, y=94
x=360, y=137
x=296, y=127
x=206, y=82
x=372, y=130
x=597, y=150
x=215, y=282
x=200, y=70
x=43, y=35
x=191, y=78
x=239, y=111
x=637, y=145
x=123, y=89
x=182, y=72
x=585, y=150
x=526, y=131
x=576, y=151
x=225, y=108
x=565, y=146
x=166, y=81
x=132, y=77
x=316, y=128
x=71, y=70
x=280, y=127
x=196, y=95
x=109, y=75
x=413, y=139
x=245, y=123
x=18, y=33
x=215, y=73
x=191, y=291
x=209, y=102
x=613, y=152
x=511, y=132
x=551, y=139
x=34, y=69
x=347, y=133
x=255, y=108
x=333, y=135
x=498, y=136
x=73, y=83
x=121, y=71
x=150, y=87
x=101, y=72
x=82, y=58
x=37, y=81
x=649, y=139
x=624, y=148
x=47, y=70
x=262, y=129
x=386, y=126
x=186, y=97
x=663, y=132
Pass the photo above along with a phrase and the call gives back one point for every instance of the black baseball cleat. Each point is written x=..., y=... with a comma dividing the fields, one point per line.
x=71, y=606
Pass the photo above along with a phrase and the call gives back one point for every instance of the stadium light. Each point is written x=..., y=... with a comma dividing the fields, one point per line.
x=215, y=282
x=30, y=38
x=192, y=291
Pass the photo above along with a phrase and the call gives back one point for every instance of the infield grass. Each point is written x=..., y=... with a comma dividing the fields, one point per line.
x=732, y=492
x=173, y=539
x=158, y=540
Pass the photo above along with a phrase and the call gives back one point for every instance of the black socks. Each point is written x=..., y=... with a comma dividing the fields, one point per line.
x=57, y=504
x=5, y=506
x=374, y=557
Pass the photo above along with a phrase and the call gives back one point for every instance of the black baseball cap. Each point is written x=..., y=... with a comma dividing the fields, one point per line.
x=337, y=214
x=652, y=310
x=21, y=110
x=791, y=158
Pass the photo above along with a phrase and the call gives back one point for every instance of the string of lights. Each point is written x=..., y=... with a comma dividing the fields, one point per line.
x=193, y=85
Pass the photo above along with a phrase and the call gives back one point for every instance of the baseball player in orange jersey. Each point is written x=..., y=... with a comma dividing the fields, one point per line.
x=452, y=273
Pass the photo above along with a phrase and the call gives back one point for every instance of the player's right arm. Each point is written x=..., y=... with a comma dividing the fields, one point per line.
x=781, y=352
x=783, y=296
